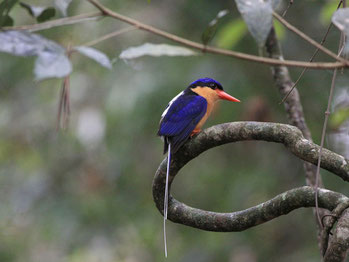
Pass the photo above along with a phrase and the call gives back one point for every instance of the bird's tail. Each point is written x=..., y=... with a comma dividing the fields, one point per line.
x=166, y=194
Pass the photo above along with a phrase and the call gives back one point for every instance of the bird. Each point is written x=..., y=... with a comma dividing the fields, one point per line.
x=183, y=118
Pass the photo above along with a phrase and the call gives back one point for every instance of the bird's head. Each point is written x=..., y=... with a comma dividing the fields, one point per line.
x=211, y=90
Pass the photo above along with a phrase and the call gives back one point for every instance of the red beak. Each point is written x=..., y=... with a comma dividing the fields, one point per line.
x=223, y=95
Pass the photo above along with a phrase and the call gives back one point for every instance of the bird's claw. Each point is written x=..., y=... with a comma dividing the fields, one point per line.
x=194, y=132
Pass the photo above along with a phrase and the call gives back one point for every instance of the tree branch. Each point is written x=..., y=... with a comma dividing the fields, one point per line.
x=283, y=82
x=309, y=40
x=241, y=220
x=214, y=136
x=107, y=12
x=294, y=110
x=54, y=23
x=110, y=35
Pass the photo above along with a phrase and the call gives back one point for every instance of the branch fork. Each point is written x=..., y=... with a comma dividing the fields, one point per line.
x=292, y=138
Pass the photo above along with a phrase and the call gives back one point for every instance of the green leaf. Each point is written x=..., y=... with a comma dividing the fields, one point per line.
x=94, y=54
x=231, y=33
x=21, y=43
x=7, y=21
x=258, y=17
x=33, y=10
x=62, y=6
x=5, y=8
x=211, y=29
x=47, y=14
x=341, y=20
x=155, y=50
x=41, y=13
x=51, y=62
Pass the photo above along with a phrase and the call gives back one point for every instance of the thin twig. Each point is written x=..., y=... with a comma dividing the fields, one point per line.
x=63, y=113
x=305, y=68
x=288, y=6
x=309, y=40
x=110, y=35
x=327, y=113
x=311, y=59
x=208, y=49
x=103, y=38
x=60, y=107
x=58, y=22
x=64, y=101
x=293, y=106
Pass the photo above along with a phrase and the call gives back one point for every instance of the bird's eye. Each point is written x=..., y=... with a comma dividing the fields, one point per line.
x=213, y=86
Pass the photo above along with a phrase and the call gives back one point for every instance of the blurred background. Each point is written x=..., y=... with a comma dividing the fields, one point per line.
x=84, y=193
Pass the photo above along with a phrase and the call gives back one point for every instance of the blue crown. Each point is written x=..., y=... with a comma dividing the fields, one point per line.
x=205, y=81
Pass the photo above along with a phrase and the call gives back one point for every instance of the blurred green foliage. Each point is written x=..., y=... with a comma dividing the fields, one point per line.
x=211, y=29
x=5, y=8
x=84, y=194
x=339, y=117
x=234, y=31
x=231, y=33
x=327, y=10
x=41, y=14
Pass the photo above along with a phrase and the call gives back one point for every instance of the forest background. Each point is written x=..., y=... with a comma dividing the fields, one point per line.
x=83, y=192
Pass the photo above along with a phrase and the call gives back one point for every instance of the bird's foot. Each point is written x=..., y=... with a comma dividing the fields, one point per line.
x=194, y=132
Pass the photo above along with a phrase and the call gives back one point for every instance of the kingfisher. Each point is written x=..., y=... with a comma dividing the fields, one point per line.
x=183, y=118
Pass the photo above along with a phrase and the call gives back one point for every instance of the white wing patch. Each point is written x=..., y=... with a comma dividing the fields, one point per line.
x=169, y=104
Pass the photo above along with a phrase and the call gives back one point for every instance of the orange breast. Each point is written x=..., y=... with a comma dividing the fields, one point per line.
x=211, y=97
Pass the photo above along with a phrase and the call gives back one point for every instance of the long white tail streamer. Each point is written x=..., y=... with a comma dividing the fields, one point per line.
x=166, y=195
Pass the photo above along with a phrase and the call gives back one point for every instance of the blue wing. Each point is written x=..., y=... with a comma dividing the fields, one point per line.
x=181, y=118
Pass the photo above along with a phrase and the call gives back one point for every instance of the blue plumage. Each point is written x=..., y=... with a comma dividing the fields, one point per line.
x=205, y=81
x=178, y=121
x=185, y=115
x=181, y=118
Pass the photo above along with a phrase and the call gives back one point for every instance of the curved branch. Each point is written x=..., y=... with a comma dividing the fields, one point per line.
x=288, y=135
x=208, y=49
